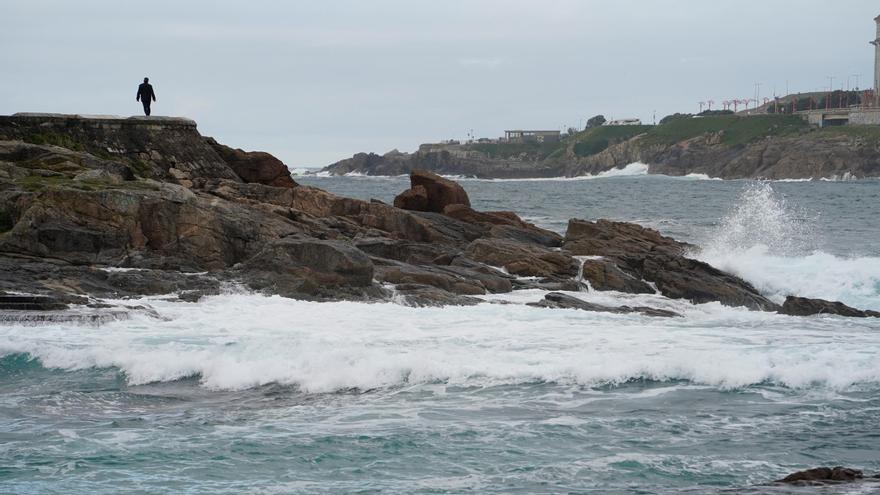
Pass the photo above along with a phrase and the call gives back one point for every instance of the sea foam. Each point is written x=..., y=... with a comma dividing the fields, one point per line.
x=242, y=341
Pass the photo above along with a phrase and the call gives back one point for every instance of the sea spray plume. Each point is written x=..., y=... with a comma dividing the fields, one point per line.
x=775, y=246
x=762, y=220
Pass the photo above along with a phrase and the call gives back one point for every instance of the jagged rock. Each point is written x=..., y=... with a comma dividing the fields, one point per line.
x=441, y=192
x=645, y=255
x=414, y=198
x=802, y=306
x=605, y=275
x=522, y=259
x=296, y=266
x=822, y=475
x=255, y=166
x=678, y=277
x=558, y=300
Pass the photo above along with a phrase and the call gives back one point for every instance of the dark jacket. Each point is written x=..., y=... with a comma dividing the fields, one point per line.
x=145, y=92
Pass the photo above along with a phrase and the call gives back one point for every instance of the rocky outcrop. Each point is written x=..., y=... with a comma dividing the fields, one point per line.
x=254, y=166
x=646, y=255
x=297, y=265
x=430, y=192
x=802, y=306
x=765, y=153
x=111, y=208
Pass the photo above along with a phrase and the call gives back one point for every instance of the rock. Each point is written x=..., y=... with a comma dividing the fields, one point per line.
x=608, y=238
x=441, y=192
x=25, y=302
x=426, y=296
x=415, y=253
x=414, y=198
x=395, y=272
x=296, y=266
x=255, y=166
x=678, y=277
x=522, y=259
x=96, y=175
x=801, y=306
x=605, y=275
x=558, y=300
x=504, y=225
x=822, y=475
x=647, y=256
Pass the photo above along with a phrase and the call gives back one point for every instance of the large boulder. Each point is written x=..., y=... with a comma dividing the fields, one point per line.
x=802, y=306
x=822, y=475
x=414, y=198
x=255, y=166
x=440, y=192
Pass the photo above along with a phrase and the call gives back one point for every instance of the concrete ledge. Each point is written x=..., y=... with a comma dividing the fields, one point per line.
x=99, y=119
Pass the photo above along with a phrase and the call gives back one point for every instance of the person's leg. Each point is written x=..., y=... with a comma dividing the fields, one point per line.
x=147, y=107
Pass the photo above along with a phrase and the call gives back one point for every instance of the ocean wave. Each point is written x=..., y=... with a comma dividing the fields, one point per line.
x=775, y=246
x=243, y=341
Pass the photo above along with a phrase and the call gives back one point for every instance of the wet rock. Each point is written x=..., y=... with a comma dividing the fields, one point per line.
x=645, y=255
x=802, y=306
x=417, y=295
x=678, y=277
x=395, y=272
x=822, y=475
x=414, y=198
x=522, y=259
x=296, y=266
x=605, y=275
x=29, y=302
x=558, y=300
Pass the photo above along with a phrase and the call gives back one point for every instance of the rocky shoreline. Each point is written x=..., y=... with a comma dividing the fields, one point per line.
x=93, y=209
x=832, y=153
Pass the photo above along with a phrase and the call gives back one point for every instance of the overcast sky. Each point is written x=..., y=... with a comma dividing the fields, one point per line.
x=315, y=82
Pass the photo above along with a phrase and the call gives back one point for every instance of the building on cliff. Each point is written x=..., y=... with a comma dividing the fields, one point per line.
x=522, y=136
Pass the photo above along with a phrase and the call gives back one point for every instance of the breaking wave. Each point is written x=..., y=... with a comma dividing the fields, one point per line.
x=243, y=341
x=775, y=246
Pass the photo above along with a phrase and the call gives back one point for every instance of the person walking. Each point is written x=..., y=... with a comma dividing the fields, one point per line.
x=146, y=95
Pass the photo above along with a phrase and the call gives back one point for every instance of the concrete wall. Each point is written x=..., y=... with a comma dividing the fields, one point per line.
x=864, y=116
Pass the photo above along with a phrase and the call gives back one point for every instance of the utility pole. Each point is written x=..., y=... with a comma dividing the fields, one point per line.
x=757, y=94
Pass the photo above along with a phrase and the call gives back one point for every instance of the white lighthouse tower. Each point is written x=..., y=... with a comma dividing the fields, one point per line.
x=876, y=44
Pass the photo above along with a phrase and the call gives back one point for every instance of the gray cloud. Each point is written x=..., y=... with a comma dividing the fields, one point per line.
x=317, y=81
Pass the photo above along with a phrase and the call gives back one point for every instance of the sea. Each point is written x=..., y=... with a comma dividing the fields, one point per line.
x=244, y=393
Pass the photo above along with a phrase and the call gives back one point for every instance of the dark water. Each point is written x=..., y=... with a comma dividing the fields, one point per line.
x=242, y=393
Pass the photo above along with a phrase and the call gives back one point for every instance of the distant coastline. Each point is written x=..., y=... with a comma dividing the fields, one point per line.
x=778, y=147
